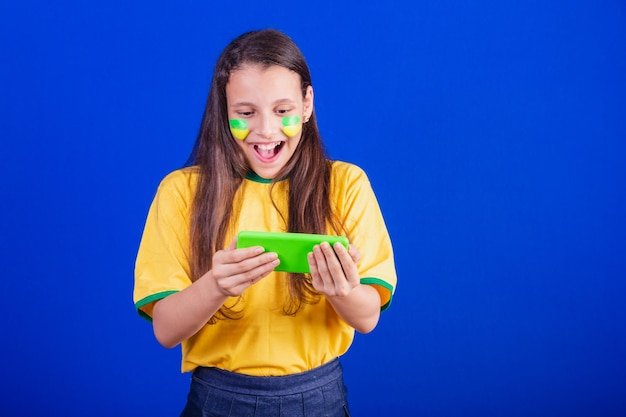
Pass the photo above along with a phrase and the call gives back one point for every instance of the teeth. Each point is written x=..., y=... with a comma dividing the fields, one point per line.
x=267, y=146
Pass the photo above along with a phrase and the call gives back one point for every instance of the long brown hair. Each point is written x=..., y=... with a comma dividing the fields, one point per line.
x=222, y=166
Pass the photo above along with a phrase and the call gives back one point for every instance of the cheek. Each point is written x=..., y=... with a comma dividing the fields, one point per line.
x=291, y=125
x=243, y=146
x=239, y=128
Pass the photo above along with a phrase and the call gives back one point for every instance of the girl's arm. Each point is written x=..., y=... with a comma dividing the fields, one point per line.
x=334, y=274
x=181, y=315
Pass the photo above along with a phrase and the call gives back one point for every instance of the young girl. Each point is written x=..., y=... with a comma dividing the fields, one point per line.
x=261, y=342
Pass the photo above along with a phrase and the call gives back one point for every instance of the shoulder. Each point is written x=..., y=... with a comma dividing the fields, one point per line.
x=181, y=181
x=349, y=183
x=346, y=170
x=179, y=185
x=184, y=177
x=345, y=174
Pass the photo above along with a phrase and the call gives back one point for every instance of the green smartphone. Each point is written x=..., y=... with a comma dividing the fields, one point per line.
x=292, y=248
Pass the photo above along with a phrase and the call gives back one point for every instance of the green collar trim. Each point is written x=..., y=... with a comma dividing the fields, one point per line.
x=253, y=176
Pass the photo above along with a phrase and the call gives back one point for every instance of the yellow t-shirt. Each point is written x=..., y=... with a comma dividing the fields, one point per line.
x=264, y=341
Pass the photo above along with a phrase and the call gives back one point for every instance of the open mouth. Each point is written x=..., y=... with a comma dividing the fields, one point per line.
x=268, y=151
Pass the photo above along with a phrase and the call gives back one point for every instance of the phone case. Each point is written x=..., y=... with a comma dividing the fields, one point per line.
x=292, y=248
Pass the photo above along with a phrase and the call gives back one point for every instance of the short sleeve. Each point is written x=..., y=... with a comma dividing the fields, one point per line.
x=162, y=264
x=358, y=208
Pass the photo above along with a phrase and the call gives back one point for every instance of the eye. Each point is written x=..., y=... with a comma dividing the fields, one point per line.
x=245, y=114
x=283, y=111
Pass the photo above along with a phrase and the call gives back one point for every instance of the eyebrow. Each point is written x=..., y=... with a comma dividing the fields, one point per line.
x=279, y=101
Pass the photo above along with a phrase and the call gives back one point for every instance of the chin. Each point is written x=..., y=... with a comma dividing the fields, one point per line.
x=265, y=173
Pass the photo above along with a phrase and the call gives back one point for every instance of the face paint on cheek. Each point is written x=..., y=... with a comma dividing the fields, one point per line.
x=239, y=128
x=291, y=125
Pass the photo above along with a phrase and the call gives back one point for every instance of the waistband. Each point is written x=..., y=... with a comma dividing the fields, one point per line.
x=270, y=385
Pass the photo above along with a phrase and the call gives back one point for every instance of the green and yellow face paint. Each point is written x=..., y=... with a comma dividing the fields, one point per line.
x=239, y=128
x=291, y=125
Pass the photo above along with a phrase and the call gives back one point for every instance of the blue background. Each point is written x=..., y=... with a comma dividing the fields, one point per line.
x=493, y=133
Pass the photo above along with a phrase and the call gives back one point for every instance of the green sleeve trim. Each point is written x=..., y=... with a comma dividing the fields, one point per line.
x=149, y=299
x=384, y=284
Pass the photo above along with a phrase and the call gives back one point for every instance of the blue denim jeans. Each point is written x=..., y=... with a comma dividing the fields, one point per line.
x=318, y=392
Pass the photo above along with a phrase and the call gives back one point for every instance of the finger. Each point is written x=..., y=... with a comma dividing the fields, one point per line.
x=230, y=265
x=348, y=262
x=329, y=268
x=249, y=267
x=235, y=282
x=316, y=279
x=341, y=252
x=256, y=274
x=324, y=280
x=343, y=269
x=231, y=255
x=354, y=253
x=320, y=260
x=332, y=260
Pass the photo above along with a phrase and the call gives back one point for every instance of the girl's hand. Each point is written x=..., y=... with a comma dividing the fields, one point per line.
x=234, y=270
x=334, y=271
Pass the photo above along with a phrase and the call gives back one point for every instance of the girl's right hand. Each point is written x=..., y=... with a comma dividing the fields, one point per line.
x=234, y=270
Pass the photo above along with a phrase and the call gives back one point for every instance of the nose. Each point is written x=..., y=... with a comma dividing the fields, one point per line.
x=268, y=125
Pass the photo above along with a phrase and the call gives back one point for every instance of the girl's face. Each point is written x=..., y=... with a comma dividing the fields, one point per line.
x=263, y=97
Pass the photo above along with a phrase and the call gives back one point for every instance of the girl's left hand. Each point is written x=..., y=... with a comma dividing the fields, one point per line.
x=333, y=269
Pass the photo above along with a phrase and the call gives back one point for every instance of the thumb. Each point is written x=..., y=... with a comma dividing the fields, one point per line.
x=233, y=244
